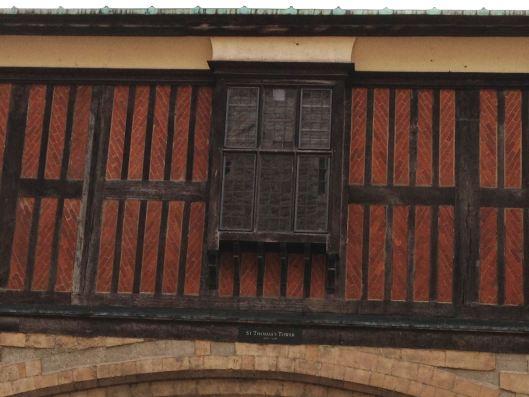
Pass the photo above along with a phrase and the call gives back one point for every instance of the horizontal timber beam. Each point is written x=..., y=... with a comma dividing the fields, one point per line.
x=155, y=190
x=263, y=25
x=400, y=195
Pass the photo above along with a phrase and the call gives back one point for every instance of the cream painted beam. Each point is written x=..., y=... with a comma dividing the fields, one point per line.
x=106, y=52
x=442, y=54
x=283, y=49
x=399, y=54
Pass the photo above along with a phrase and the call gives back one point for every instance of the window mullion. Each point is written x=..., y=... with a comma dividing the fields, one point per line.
x=257, y=189
x=295, y=168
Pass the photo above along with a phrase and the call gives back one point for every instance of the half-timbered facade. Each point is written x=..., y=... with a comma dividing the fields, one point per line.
x=236, y=178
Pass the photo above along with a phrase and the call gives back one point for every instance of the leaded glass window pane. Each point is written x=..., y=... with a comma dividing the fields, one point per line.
x=279, y=117
x=315, y=122
x=312, y=193
x=275, y=193
x=241, y=120
x=269, y=184
x=238, y=191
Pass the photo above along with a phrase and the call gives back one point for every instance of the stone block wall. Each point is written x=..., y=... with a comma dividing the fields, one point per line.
x=59, y=365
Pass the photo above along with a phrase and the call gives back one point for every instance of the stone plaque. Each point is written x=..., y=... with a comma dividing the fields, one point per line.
x=258, y=334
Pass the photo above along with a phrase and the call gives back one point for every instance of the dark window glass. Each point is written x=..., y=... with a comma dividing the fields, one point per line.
x=269, y=183
x=312, y=193
x=275, y=192
x=241, y=119
x=238, y=191
x=279, y=117
x=315, y=123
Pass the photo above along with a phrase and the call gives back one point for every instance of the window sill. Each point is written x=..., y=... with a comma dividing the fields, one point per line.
x=273, y=237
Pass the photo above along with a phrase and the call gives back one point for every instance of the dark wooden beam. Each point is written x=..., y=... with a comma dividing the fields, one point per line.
x=263, y=25
x=315, y=328
x=401, y=195
x=104, y=76
x=155, y=190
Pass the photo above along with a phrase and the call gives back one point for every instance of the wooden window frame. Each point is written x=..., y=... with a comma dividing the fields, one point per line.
x=295, y=74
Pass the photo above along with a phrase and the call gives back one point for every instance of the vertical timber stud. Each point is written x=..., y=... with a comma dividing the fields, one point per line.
x=16, y=126
x=339, y=196
x=348, y=99
x=525, y=185
x=214, y=183
x=467, y=198
x=92, y=199
x=212, y=273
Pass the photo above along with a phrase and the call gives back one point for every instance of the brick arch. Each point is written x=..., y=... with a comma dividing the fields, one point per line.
x=226, y=387
x=212, y=383
x=345, y=370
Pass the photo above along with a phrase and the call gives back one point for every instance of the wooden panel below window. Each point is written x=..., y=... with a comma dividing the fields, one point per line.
x=272, y=275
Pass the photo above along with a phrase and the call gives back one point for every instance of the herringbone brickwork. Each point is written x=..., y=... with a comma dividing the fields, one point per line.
x=67, y=245
x=377, y=257
x=513, y=139
x=151, y=236
x=488, y=254
x=514, y=256
x=447, y=137
x=173, y=242
x=402, y=138
x=353, y=280
x=43, y=251
x=202, y=132
x=33, y=133
x=358, y=137
x=379, y=159
x=445, y=252
x=79, y=140
x=195, y=243
x=488, y=156
x=295, y=276
x=424, y=139
x=107, y=245
x=117, y=133
x=400, y=252
x=422, y=249
x=19, y=254
x=159, y=133
x=56, y=137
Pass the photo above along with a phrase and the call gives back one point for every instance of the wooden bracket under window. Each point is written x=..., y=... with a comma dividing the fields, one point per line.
x=331, y=273
x=213, y=270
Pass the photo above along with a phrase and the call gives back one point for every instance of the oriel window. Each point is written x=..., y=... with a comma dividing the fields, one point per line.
x=276, y=159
